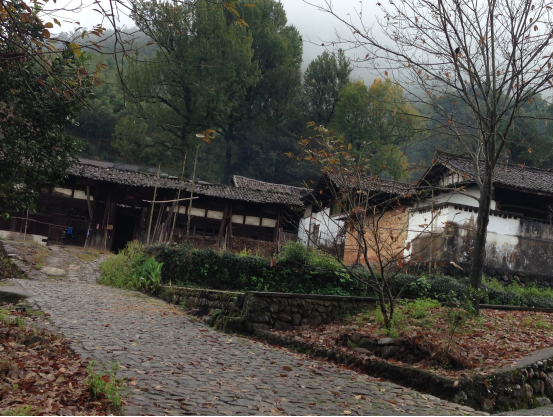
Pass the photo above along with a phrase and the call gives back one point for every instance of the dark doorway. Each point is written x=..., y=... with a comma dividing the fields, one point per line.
x=125, y=218
x=57, y=220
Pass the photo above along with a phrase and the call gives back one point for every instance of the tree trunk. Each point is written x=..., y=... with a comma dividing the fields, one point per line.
x=479, y=248
x=384, y=310
x=229, y=134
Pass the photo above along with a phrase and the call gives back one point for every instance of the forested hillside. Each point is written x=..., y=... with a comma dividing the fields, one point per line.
x=244, y=81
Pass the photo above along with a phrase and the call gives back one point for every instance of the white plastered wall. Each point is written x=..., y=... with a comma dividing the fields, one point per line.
x=329, y=227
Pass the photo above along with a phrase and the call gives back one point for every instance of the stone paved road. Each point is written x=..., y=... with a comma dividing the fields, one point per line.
x=181, y=366
x=177, y=365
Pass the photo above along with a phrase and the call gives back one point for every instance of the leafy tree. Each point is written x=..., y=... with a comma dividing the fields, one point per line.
x=325, y=76
x=381, y=117
x=263, y=127
x=34, y=113
x=195, y=80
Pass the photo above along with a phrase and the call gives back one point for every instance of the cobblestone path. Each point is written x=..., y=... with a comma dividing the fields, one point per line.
x=180, y=366
x=177, y=365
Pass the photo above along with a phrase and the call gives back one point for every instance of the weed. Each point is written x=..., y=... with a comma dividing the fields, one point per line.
x=39, y=256
x=4, y=367
x=183, y=304
x=418, y=308
x=106, y=384
x=147, y=277
x=87, y=256
x=527, y=321
x=351, y=344
x=541, y=324
x=18, y=322
x=22, y=411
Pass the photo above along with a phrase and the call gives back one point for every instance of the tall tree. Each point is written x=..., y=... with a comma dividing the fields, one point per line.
x=198, y=76
x=263, y=126
x=325, y=76
x=380, y=117
x=493, y=56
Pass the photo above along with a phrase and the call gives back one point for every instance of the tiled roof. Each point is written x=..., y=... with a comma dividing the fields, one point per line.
x=532, y=179
x=370, y=183
x=243, y=182
x=103, y=171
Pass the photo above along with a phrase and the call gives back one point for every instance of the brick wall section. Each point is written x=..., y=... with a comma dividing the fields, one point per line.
x=392, y=231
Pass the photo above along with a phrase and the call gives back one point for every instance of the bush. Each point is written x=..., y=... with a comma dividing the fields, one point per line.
x=147, y=277
x=298, y=269
x=118, y=270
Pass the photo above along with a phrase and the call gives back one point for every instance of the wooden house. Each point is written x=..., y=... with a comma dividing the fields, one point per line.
x=104, y=205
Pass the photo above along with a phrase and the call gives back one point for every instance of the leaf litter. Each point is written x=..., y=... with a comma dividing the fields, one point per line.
x=481, y=344
x=39, y=374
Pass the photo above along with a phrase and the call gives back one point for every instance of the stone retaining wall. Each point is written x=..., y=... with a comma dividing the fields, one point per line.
x=266, y=310
x=527, y=385
x=269, y=310
x=7, y=268
x=203, y=300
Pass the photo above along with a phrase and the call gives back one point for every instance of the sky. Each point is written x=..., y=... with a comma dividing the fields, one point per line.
x=315, y=26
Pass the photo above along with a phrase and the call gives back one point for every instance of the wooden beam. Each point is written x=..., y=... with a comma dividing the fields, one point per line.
x=170, y=201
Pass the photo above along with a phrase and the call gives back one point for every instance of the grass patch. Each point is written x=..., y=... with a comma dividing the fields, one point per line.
x=87, y=256
x=39, y=256
x=528, y=290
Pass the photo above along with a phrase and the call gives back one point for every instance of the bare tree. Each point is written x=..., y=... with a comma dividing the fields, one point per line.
x=490, y=57
x=366, y=211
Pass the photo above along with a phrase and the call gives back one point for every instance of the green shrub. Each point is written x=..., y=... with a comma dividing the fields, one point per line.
x=147, y=277
x=119, y=270
x=298, y=269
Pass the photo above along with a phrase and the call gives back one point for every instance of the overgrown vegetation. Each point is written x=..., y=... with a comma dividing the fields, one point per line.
x=119, y=270
x=298, y=269
x=105, y=384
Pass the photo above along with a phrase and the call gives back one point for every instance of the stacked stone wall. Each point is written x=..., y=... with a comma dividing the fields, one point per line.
x=264, y=310
x=267, y=310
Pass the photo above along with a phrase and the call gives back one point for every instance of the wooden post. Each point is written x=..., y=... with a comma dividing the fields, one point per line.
x=175, y=214
x=105, y=220
x=276, y=238
x=158, y=221
x=230, y=229
x=192, y=192
x=153, y=202
x=90, y=215
x=222, y=226
x=27, y=218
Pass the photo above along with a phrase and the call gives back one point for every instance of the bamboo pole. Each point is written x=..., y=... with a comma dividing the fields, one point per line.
x=152, y=209
x=181, y=184
x=192, y=191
